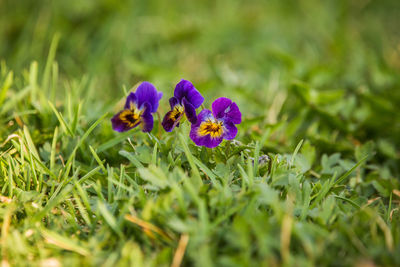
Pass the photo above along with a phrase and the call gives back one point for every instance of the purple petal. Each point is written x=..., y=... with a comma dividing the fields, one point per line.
x=204, y=115
x=190, y=111
x=212, y=142
x=224, y=108
x=146, y=92
x=230, y=130
x=130, y=100
x=172, y=118
x=147, y=118
x=195, y=98
x=173, y=101
x=170, y=122
x=186, y=89
x=182, y=88
x=121, y=122
x=203, y=140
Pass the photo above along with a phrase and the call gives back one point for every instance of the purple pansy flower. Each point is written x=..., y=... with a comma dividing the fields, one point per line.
x=186, y=100
x=212, y=127
x=138, y=109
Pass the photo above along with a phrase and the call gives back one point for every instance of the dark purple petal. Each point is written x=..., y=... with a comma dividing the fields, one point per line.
x=169, y=122
x=173, y=101
x=130, y=100
x=190, y=111
x=230, y=130
x=146, y=92
x=224, y=108
x=186, y=89
x=121, y=122
x=146, y=118
x=172, y=118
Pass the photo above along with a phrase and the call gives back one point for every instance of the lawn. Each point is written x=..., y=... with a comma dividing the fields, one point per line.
x=312, y=177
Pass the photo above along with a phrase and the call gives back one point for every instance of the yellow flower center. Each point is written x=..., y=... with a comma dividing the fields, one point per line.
x=176, y=113
x=131, y=116
x=212, y=128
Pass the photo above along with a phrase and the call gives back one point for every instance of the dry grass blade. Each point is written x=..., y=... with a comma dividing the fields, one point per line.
x=146, y=226
x=180, y=251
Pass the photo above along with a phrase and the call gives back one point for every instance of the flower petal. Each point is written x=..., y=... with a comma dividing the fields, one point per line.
x=186, y=89
x=190, y=111
x=173, y=101
x=130, y=100
x=146, y=118
x=172, y=118
x=146, y=92
x=230, y=130
x=204, y=115
x=182, y=88
x=169, y=122
x=121, y=122
x=224, y=108
x=205, y=140
x=197, y=137
x=195, y=98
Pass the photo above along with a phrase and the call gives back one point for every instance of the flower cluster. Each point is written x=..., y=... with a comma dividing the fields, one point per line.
x=208, y=128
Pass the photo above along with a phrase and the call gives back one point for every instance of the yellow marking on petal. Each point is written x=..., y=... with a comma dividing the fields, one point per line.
x=214, y=129
x=176, y=112
x=130, y=117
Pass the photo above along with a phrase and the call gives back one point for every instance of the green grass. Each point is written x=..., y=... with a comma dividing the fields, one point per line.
x=318, y=87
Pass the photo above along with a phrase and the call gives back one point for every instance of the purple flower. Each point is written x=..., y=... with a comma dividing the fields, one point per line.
x=185, y=101
x=212, y=127
x=138, y=109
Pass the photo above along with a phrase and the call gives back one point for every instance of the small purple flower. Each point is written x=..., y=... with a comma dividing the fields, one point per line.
x=185, y=101
x=212, y=127
x=138, y=109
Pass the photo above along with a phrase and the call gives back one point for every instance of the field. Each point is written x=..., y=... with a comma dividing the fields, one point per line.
x=311, y=179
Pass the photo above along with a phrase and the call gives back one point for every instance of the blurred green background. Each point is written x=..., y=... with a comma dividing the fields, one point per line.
x=126, y=41
x=331, y=65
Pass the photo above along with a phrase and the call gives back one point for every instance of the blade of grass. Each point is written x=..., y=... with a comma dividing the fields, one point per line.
x=6, y=85
x=131, y=157
x=109, y=218
x=295, y=153
x=49, y=62
x=208, y=172
x=61, y=120
x=53, y=149
x=84, y=136
x=344, y=176
x=348, y=200
x=96, y=157
x=114, y=141
x=195, y=171
x=12, y=102
x=63, y=242
x=53, y=202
